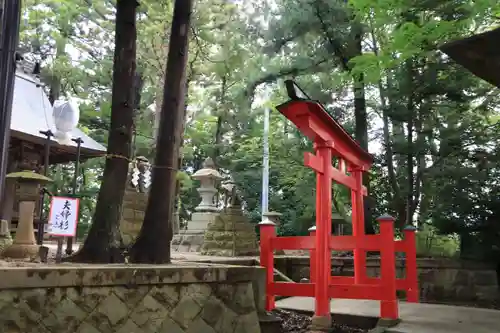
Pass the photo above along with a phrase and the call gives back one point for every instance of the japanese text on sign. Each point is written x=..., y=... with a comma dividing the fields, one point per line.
x=63, y=216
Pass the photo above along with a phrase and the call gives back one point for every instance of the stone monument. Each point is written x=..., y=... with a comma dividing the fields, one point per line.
x=231, y=234
x=135, y=199
x=191, y=239
x=24, y=245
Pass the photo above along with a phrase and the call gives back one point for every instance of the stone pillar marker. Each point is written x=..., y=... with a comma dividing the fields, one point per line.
x=24, y=245
x=273, y=217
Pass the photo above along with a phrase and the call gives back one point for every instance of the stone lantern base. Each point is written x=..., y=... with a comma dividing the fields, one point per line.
x=24, y=245
x=21, y=251
x=191, y=239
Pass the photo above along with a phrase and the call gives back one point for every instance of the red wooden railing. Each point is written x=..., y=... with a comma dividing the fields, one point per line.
x=360, y=286
x=351, y=161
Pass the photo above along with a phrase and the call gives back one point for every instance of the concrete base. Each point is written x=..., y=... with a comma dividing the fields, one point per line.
x=20, y=251
x=320, y=324
x=187, y=242
x=199, y=222
x=191, y=239
x=415, y=317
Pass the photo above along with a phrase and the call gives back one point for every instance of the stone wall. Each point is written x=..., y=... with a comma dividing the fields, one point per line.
x=131, y=299
x=440, y=280
x=134, y=206
x=230, y=234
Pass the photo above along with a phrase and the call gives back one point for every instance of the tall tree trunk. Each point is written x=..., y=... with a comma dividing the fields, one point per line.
x=157, y=115
x=220, y=119
x=410, y=109
x=103, y=242
x=361, y=130
x=153, y=243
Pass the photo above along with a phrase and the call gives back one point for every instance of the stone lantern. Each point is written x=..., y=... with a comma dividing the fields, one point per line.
x=338, y=223
x=209, y=178
x=273, y=217
x=24, y=245
x=191, y=239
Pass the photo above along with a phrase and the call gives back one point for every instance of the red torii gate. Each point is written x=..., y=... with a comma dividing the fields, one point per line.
x=331, y=140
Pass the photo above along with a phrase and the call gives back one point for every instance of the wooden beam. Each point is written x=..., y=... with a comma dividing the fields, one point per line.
x=314, y=162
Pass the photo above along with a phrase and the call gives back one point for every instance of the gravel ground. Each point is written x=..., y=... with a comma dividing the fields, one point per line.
x=293, y=322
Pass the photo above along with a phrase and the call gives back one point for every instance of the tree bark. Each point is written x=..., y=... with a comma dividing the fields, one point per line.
x=103, y=242
x=153, y=244
x=220, y=119
x=361, y=124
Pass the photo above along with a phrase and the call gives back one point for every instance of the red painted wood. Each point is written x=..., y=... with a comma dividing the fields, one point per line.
x=314, y=122
x=341, y=280
x=400, y=245
x=323, y=231
x=413, y=291
x=292, y=289
x=388, y=304
x=342, y=166
x=312, y=260
x=331, y=140
x=348, y=243
x=355, y=291
x=293, y=243
x=358, y=227
x=314, y=162
x=267, y=233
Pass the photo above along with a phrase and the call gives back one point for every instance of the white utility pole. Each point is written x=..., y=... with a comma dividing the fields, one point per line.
x=265, y=165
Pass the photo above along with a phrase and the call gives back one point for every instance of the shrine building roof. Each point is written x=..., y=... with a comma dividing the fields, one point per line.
x=32, y=113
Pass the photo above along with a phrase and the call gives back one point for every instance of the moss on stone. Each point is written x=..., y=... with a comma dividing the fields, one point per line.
x=28, y=175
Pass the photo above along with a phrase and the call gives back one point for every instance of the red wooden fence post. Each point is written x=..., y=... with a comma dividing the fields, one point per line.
x=267, y=233
x=358, y=227
x=389, y=303
x=413, y=291
x=323, y=234
x=312, y=257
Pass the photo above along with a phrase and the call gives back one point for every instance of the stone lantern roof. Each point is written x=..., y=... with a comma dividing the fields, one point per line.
x=208, y=171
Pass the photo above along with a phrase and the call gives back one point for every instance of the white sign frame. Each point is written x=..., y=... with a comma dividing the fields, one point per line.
x=56, y=206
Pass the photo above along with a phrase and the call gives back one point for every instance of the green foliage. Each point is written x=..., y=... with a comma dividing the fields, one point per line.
x=432, y=244
x=433, y=127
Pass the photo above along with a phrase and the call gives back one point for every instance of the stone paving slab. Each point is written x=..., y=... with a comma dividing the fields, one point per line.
x=416, y=318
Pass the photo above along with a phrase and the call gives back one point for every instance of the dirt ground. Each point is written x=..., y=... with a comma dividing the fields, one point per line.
x=293, y=322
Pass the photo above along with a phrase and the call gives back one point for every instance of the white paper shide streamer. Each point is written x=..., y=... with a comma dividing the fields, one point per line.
x=66, y=116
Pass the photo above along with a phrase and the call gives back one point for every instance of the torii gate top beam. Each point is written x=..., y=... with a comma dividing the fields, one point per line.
x=317, y=124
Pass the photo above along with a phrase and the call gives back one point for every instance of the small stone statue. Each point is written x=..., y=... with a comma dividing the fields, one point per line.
x=231, y=195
